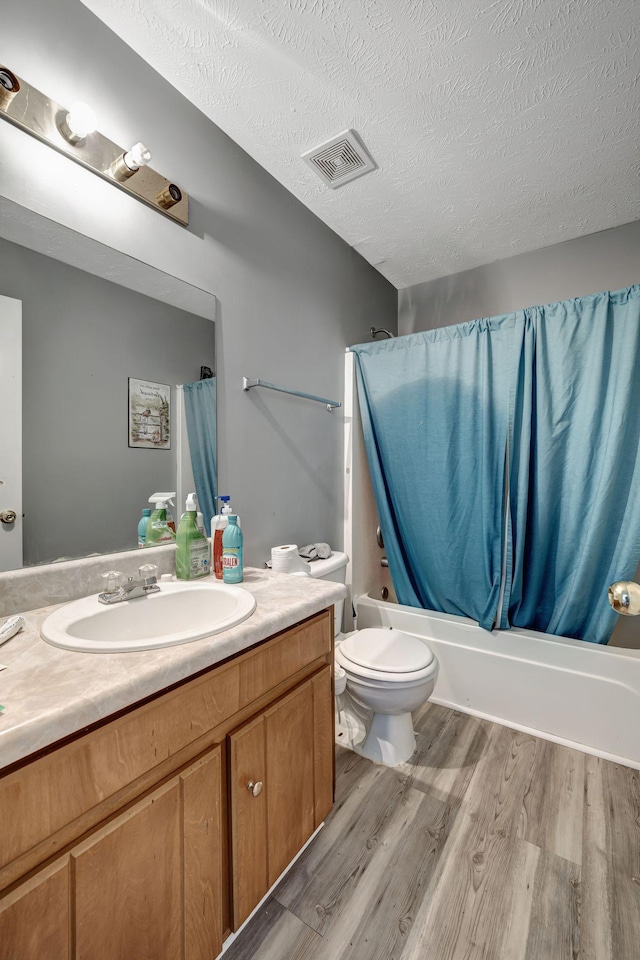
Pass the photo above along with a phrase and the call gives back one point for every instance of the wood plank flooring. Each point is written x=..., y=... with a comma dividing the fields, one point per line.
x=489, y=844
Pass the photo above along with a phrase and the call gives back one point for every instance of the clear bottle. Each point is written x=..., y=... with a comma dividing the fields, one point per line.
x=142, y=526
x=232, y=552
x=193, y=553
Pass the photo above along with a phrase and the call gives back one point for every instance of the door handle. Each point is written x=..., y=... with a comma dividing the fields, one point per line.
x=8, y=516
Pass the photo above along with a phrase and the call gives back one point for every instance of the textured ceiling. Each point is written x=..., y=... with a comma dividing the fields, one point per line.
x=498, y=126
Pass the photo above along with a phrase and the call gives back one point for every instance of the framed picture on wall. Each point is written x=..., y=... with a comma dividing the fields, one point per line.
x=149, y=414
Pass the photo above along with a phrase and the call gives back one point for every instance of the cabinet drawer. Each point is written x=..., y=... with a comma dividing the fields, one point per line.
x=287, y=654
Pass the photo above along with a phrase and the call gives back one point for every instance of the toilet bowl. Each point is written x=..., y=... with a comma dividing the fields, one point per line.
x=389, y=673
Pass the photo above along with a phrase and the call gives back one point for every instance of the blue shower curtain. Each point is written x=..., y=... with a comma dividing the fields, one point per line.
x=575, y=470
x=435, y=409
x=200, y=413
x=544, y=402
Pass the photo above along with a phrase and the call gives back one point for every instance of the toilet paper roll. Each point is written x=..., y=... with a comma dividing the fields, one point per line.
x=286, y=559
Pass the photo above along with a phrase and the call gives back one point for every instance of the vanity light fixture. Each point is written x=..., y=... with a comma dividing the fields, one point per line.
x=73, y=133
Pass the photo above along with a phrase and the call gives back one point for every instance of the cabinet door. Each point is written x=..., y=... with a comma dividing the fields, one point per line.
x=289, y=750
x=249, y=868
x=34, y=918
x=151, y=880
x=290, y=740
x=206, y=888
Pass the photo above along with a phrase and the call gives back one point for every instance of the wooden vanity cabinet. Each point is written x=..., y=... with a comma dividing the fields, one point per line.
x=116, y=844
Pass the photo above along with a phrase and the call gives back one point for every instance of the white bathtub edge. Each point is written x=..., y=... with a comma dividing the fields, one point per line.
x=582, y=747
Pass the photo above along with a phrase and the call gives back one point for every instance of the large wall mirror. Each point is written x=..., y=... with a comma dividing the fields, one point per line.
x=88, y=326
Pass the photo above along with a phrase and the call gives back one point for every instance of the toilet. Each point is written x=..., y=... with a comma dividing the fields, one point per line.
x=388, y=675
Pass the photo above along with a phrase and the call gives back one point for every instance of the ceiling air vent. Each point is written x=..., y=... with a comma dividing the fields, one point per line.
x=339, y=160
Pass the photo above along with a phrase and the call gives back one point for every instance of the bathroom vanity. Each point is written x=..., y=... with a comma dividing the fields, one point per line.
x=156, y=829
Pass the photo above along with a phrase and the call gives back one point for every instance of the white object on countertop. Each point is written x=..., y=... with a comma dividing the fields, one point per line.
x=10, y=627
x=286, y=559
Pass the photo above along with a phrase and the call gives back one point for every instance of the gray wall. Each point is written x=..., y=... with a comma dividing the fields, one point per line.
x=83, y=337
x=601, y=261
x=292, y=294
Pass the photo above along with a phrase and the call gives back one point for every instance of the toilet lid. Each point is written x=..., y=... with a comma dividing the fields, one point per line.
x=389, y=651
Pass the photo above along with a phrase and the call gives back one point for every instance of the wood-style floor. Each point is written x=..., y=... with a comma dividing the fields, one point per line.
x=489, y=844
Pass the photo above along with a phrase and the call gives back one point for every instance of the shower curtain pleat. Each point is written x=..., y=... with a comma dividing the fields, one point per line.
x=200, y=414
x=435, y=409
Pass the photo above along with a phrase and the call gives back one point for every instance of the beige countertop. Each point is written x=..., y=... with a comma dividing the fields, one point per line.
x=49, y=693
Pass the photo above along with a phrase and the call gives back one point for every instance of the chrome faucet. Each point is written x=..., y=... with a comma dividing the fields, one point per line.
x=117, y=588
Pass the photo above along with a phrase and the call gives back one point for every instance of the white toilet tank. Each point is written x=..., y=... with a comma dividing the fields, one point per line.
x=334, y=568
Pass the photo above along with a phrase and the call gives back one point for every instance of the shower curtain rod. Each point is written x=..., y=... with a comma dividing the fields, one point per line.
x=247, y=384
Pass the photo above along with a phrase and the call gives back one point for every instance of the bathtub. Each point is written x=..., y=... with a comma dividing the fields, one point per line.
x=579, y=694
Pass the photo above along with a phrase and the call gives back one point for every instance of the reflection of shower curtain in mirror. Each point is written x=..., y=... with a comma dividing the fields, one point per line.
x=562, y=383
x=200, y=413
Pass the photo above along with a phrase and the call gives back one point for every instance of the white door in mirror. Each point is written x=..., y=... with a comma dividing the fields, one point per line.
x=11, y=458
x=178, y=613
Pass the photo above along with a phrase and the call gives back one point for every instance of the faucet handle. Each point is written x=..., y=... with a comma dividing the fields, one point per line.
x=112, y=580
x=148, y=573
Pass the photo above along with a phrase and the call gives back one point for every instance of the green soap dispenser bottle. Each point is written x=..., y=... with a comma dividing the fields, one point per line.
x=232, y=552
x=193, y=552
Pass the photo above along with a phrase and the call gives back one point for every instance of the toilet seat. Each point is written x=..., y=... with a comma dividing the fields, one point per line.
x=386, y=656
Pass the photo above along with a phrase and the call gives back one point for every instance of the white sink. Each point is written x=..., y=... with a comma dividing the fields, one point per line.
x=178, y=613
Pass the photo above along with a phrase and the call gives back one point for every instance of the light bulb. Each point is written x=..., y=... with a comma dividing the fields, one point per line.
x=130, y=162
x=138, y=156
x=78, y=123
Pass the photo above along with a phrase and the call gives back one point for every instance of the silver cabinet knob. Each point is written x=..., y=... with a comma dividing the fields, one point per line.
x=8, y=516
x=255, y=789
